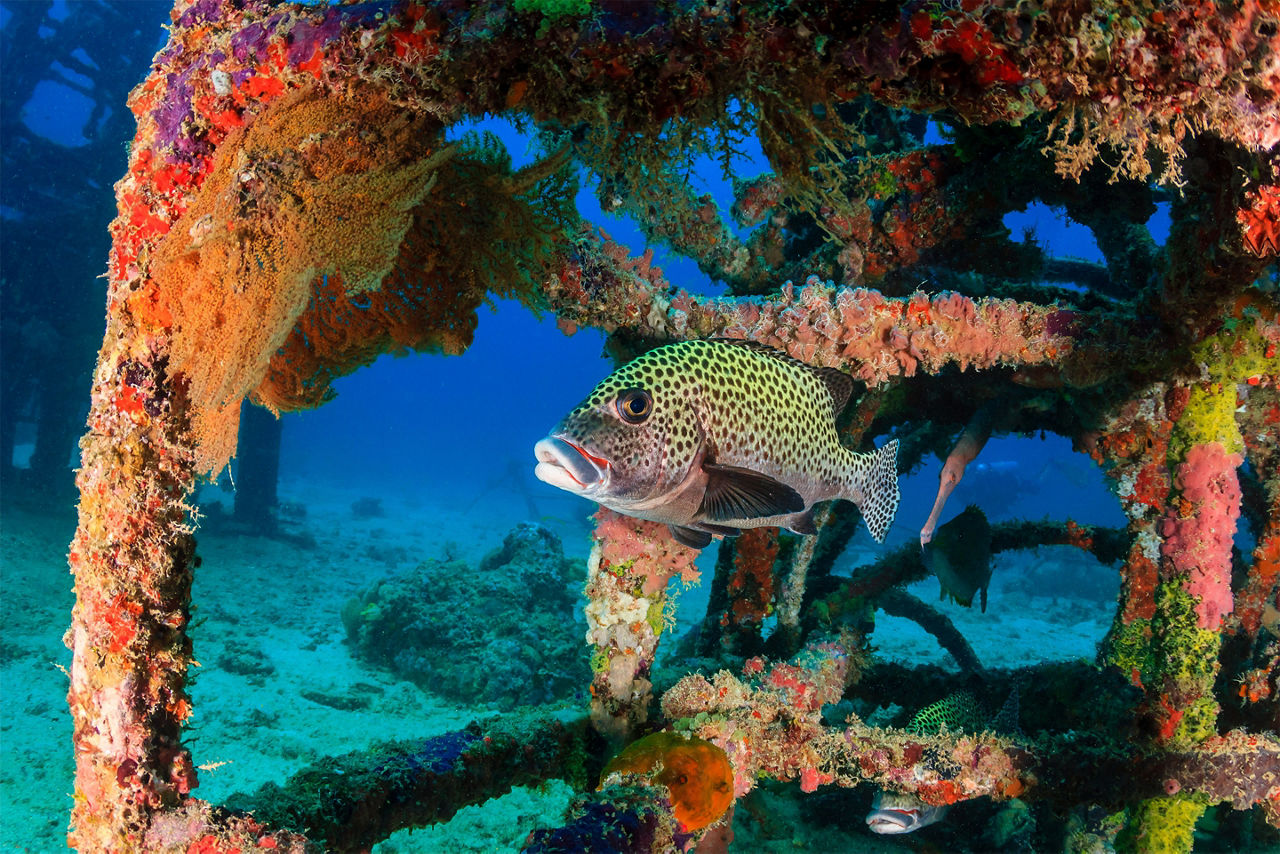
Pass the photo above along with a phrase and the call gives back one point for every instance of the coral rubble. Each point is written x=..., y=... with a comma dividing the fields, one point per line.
x=464, y=632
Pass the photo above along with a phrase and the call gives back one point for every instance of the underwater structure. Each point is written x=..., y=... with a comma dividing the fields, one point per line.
x=293, y=208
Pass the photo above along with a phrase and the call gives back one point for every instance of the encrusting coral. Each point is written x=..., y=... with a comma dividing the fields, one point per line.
x=628, y=570
x=490, y=651
x=293, y=207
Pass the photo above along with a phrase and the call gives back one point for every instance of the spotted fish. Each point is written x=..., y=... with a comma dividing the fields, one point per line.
x=718, y=435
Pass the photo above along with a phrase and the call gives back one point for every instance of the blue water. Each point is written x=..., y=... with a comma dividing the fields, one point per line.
x=420, y=433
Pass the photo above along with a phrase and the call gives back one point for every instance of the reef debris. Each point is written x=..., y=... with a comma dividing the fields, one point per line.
x=463, y=632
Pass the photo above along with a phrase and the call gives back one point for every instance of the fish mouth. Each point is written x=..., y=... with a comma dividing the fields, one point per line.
x=569, y=466
x=892, y=820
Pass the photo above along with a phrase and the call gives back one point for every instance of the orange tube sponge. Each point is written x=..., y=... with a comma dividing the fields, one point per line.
x=696, y=773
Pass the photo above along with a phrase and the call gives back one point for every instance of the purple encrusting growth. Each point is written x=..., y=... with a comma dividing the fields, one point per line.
x=250, y=44
x=200, y=12
x=306, y=37
x=172, y=112
x=440, y=754
x=170, y=54
x=191, y=148
x=1063, y=322
x=248, y=47
x=174, y=115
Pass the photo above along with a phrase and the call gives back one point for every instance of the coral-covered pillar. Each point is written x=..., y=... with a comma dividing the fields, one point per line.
x=1173, y=454
x=627, y=574
x=1195, y=591
x=1134, y=447
x=749, y=589
x=132, y=562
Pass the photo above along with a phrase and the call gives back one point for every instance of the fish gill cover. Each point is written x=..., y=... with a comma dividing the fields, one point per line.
x=293, y=208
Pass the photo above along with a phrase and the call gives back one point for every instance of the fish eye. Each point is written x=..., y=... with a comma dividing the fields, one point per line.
x=634, y=405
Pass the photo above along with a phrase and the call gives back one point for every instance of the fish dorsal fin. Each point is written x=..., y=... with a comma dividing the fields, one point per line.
x=838, y=384
x=738, y=493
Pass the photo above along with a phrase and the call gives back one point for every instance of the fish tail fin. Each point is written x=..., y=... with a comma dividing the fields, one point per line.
x=880, y=491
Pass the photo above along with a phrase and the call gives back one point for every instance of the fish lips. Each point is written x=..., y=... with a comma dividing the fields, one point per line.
x=569, y=466
x=887, y=820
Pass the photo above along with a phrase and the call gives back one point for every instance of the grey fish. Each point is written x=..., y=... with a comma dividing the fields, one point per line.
x=898, y=812
x=960, y=556
x=718, y=435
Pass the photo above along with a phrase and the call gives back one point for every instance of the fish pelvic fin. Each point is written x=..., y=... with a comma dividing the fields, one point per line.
x=689, y=537
x=880, y=491
x=699, y=535
x=802, y=523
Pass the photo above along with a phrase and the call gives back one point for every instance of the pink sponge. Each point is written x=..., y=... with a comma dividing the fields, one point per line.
x=1197, y=537
x=646, y=548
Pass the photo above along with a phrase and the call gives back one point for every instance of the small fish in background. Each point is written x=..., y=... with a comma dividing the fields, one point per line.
x=959, y=711
x=368, y=507
x=960, y=556
x=898, y=812
x=718, y=435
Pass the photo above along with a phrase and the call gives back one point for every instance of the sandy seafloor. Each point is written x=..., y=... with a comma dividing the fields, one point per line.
x=272, y=608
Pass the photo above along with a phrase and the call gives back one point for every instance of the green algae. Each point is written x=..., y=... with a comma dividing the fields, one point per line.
x=1188, y=659
x=1129, y=648
x=1163, y=824
x=1226, y=360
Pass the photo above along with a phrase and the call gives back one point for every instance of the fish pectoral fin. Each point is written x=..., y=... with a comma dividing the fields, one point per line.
x=690, y=537
x=738, y=493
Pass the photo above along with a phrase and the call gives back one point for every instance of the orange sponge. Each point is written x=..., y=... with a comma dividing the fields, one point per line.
x=696, y=773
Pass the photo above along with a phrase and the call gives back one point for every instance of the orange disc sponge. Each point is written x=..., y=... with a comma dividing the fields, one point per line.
x=695, y=772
